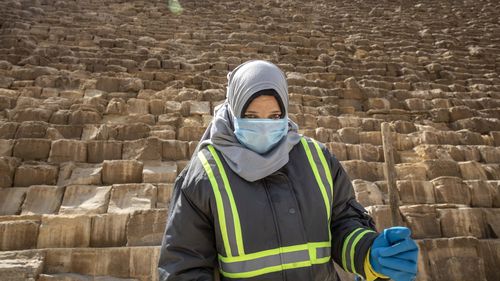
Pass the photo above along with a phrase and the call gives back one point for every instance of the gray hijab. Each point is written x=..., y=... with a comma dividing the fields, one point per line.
x=244, y=81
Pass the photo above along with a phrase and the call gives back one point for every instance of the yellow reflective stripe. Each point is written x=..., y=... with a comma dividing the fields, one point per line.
x=236, y=218
x=266, y=270
x=317, y=176
x=265, y=253
x=344, y=247
x=325, y=165
x=218, y=201
x=353, y=247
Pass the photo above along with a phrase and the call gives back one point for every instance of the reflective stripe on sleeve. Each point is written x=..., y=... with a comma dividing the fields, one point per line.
x=349, y=247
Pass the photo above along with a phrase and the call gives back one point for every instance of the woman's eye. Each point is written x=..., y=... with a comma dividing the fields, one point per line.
x=277, y=116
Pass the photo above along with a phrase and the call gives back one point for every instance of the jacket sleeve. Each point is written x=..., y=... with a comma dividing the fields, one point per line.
x=188, y=247
x=353, y=230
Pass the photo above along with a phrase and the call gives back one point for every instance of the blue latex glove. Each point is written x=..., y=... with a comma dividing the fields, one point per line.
x=394, y=254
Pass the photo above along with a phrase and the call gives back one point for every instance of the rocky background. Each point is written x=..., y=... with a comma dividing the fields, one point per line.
x=103, y=101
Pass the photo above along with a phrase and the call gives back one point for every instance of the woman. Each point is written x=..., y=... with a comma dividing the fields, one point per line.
x=258, y=201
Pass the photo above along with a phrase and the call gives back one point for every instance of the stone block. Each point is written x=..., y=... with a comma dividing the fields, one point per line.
x=82, y=117
x=98, y=151
x=42, y=199
x=490, y=252
x=31, y=129
x=138, y=106
x=6, y=147
x=191, y=133
x=472, y=170
x=143, y=149
x=349, y=135
x=452, y=259
x=8, y=130
x=422, y=220
x=85, y=199
x=121, y=171
x=68, y=150
x=491, y=218
x=495, y=193
x=64, y=231
x=411, y=171
x=8, y=167
x=367, y=193
x=462, y=222
x=439, y=168
x=365, y=151
x=451, y=190
x=146, y=228
x=132, y=131
x=494, y=135
x=173, y=150
x=108, y=84
x=32, y=149
x=117, y=106
x=338, y=149
x=18, y=235
x=353, y=90
x=416, y=192
x=164, y=195
x=11, y=200
x=159, y=172
x=381, y=214
x=143, y=262
x=31, y=114
x=199, y=107
x=480, y=193
x=84, y=174
x=329, y=122
x=490, y=154
x=492, y=171
x=127, y=198
x=109, y=230
x=21, y=265
x=33, y=174
x=369, y=171
x=374, y=138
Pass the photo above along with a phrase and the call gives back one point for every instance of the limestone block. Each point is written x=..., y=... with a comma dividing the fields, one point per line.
x=349, y=135
x=143, y=149
x=422, y=220
x=143, y=262
x=480, y=193
x=338, y=149
x=494, y=135
x=132, y=131
x=18, y=235
x=199, y=107
x=84, y=174
x=460, y=112
x=64, y=231
x=8, y=130
x=138, y=106
x=367, y=193
x=492, y=217
x=191, y=133
x=11, y=200
x=159, y=172
x=416, y=192
x=438, y=168
x=490, y=154
x=31, y=114
x=109, y=230
x=127, y=198
x=98, y=151
x=32, y=149
x=353, y=90
x=462, y=222
x=329, y=122
x=116, y=106
x=495, y=193
x=82, y=117
x=451, y=190
x=146, y=228
x=42, y=199
x=68, y=150
x=8, y=167
x=108, y=84
x=164, y=195
x=472, y=170
x=31, y=129
x=490, y=252
x=358, y=169
x=374, y=138
x=33, y=174
x=324, y=135
x=492, y=171
x=121, y=171
x=21, y=265
x=467, y=137
x=85, y=199
x=453, y=259
x=6, y=147
x=365, y=151
x=411, y=171
x=131, y=85
x=173, y=150
x=381, y=214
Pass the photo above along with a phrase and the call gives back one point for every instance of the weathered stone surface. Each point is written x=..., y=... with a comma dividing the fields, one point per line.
x=85, y=199
x=11, y=200
x=98, y=151
x=109, y=230
x=146, y=228
x=33, y=174
x=8, y=167
x=440, y=168
x=495, y=193
x=6, y=147
x=32, y=149
x=84, y=174
x=159, y=172
x=143, y=149
x=31, y=129
x=138, y=106
x=451, y=190
x=42, y=199
x=422, y=220
x=491, y=218
x=381, y=214
x=132, y=131
x=480, y=193
x=121, y=171
x=367, y=193
x=173, y=150
x=18, y=235
x=68, y=150
x=490, y=154
x=411, y=171
x=416, y=192
x=462, y=222
x=490, y=252
x=358, y=169
x=127, y=198
x=64, y=231
x=21, y=265
x=472, y=170
x=164, y=194
x=365, y=152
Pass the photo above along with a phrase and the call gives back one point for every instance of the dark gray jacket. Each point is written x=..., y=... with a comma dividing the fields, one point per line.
x=283, y=209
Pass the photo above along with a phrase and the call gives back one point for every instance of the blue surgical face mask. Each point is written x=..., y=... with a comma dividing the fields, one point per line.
x=260, y=135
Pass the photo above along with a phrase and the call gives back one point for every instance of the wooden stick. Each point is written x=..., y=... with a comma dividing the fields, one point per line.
x=390, y=173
